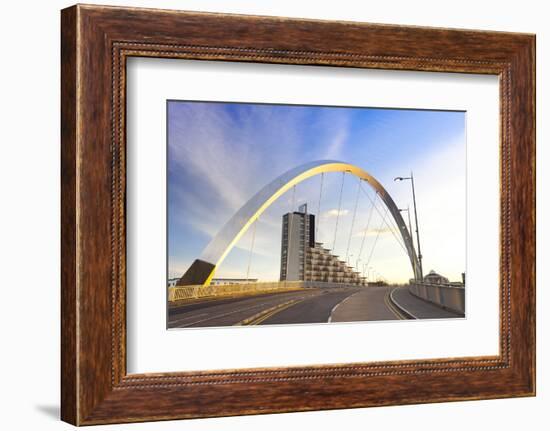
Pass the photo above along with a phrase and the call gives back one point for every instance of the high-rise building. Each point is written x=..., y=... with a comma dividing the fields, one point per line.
x=298, y=237
x=303, y=259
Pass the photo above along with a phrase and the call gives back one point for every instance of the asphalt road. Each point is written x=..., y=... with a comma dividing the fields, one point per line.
x=343, y=304
x=368, y=304
x=230, y=311
x=315, y=309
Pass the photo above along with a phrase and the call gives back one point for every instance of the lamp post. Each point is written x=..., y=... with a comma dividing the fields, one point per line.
x=358, y=270
x=409, y=217
x=411, y=178
x=366, y=271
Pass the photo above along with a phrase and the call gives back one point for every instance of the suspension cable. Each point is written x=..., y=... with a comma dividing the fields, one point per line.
x=251, y=248
x=353, y=218
x=319, y=208
x=366, y=229
x=391, y=228
x=376, y=239
x=339, y=207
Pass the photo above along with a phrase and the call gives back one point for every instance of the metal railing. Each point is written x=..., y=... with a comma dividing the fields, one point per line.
x=199, y=291
x=179, y=293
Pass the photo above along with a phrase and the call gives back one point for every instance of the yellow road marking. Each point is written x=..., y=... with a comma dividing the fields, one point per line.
x=270, y=313
x=278, y=310
x=388, y=303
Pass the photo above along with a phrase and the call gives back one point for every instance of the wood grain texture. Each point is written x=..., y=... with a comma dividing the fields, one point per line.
x=69, y=398
x=96, y=41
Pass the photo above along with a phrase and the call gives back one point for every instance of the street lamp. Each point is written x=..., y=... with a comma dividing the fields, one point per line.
x=366, y=271
x=411, y=178
x=409, y=217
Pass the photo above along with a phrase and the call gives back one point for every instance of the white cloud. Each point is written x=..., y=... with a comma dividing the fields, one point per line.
x=372, y=232
x=335, y=213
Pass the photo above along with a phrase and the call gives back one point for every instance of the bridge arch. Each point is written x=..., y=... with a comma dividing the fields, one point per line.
x=202, y=270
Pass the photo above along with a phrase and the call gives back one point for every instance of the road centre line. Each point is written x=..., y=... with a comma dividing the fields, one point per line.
x=275, y=309
x=226, y=314
x=267, y=315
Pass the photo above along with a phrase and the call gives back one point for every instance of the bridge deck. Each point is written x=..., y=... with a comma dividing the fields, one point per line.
x=313, y=305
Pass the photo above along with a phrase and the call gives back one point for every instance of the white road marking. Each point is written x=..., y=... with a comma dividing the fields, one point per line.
x=340, y=303
x=175, y=322
x=304, y=295
x=229, y=313
x=225, y=314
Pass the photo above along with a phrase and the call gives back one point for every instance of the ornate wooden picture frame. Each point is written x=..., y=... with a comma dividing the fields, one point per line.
x=96, y=41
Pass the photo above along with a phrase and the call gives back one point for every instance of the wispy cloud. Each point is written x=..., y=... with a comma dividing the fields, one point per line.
x=217, y=157
x=372, y=232
x=332, y=213
x=335, y=145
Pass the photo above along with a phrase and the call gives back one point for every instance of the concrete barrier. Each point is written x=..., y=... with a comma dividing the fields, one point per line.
x=447, y=296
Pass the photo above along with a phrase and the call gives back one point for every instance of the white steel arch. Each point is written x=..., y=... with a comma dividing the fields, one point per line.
x=202, y=270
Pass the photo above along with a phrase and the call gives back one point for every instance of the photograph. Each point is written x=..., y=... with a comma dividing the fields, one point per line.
x=300, y=214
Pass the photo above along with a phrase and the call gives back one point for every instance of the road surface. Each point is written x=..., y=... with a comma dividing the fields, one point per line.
x=342, y=304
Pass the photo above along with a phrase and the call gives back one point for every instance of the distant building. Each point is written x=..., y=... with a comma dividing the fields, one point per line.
x=222, y=281
x=435, y=278
x=303, y=259
x=219, y=281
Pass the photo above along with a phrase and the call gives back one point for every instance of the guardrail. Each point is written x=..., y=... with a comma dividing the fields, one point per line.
x=178, y=293
x=448, y=296
x=199, y=291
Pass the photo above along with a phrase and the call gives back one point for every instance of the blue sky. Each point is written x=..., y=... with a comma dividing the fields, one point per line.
x=220, y=154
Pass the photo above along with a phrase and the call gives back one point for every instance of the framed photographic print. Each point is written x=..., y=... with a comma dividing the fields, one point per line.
x=329, y=214
x=297, y=234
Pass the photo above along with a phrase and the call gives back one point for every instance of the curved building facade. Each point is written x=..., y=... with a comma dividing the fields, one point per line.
x=304, y=259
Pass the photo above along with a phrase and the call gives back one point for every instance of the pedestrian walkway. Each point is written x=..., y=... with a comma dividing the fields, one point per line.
x=419, y=308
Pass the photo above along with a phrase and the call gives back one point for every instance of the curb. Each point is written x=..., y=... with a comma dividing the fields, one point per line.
x=403, y=310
